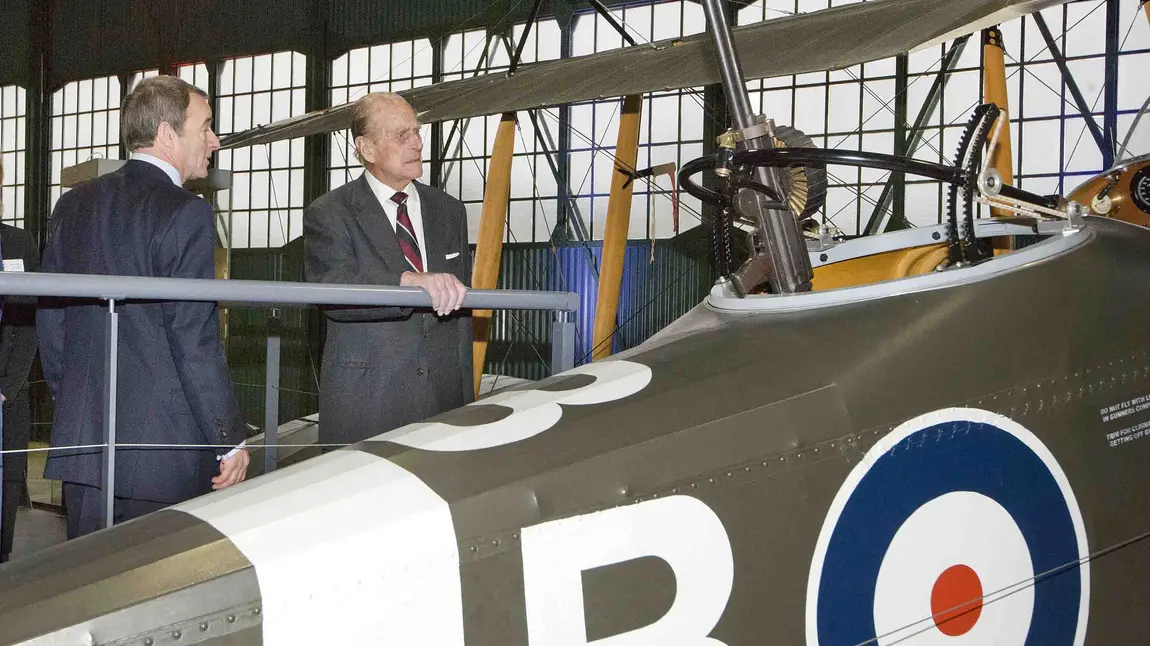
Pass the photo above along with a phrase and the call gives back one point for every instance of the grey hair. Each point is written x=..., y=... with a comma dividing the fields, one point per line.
x=156, y=100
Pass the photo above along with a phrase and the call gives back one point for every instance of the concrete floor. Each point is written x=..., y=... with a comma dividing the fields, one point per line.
x=36, y=529
x=43, y=525
x=41, y=491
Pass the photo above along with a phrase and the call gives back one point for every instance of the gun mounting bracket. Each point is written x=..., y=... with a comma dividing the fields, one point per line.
x=764, y=128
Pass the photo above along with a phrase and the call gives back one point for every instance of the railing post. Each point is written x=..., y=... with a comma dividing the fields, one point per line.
x=272, y=392
x=562, y=342
x=111, y=351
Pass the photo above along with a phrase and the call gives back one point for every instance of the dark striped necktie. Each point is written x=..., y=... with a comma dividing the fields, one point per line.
x=408, y=242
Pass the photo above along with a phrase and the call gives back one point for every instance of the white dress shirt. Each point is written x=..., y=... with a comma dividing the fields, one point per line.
x=161, y=164
x=383, y=193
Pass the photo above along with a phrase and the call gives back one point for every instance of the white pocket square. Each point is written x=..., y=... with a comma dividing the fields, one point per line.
x=452, y=255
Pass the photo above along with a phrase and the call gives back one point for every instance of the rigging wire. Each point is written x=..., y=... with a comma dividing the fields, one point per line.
x=1130, y=133
x=1004, y=592
x=1094, y=105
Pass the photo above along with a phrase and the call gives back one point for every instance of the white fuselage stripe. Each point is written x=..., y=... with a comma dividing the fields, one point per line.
x=348, y=548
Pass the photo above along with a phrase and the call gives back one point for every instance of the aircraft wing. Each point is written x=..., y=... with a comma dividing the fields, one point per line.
x=829, y=39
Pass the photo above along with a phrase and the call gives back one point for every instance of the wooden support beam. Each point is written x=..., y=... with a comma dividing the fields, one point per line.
x=618, y=224
x=489, y=246
x=994, y=73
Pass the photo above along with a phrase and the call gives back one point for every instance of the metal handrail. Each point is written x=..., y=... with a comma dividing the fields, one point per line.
x=261, y=291
x=117, y=289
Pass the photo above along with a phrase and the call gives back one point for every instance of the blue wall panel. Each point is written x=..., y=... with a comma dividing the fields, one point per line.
x=659, y=285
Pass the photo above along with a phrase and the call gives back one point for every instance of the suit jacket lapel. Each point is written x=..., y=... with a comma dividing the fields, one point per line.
x=434, y=230
x=373, y=221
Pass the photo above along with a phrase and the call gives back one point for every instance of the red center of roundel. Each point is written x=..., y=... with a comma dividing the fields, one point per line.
x=956, y=600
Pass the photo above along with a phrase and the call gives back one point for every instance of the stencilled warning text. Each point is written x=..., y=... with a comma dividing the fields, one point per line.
x=1128, y=434
x=1121, y=412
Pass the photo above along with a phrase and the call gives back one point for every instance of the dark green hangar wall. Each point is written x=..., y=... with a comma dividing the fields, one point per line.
x=105, y=37
x=15, y=42
x=356, y=23
x=91, y=39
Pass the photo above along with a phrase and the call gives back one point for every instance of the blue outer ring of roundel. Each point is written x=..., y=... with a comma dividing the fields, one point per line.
x=948, y=457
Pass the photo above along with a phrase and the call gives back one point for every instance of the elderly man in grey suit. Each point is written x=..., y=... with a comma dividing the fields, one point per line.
x=385, y=367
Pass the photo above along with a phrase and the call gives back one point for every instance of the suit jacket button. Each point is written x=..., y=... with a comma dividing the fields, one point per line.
x=419, y=371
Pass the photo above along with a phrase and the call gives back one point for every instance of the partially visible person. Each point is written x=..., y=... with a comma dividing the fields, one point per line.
x=173, y=386
x=17, y=350
x=390, y=366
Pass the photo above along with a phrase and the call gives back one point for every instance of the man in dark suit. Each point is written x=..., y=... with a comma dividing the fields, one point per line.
x=389, y=366
x=17, y=350
x=173, y=386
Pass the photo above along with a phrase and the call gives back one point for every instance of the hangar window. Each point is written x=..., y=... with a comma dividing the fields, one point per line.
x=469, y=143
x=136, y=77
x=393, y=67
x=85, y=125
x=1047, y=111
x=265, y=204
x=197, y=75
x=13, y=143
x=670, y=130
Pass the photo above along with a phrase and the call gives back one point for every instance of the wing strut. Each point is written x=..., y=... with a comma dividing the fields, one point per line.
x=489, y=246
x=994, y=73
x=618, y=224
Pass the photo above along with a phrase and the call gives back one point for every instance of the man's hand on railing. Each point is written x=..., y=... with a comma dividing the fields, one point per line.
x=445, y=289
x=232, y=470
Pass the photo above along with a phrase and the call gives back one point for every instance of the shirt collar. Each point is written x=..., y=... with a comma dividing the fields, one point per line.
x=173, y=174
x=383, y=192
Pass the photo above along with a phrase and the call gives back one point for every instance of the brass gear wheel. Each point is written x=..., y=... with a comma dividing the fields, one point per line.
x=806, y=186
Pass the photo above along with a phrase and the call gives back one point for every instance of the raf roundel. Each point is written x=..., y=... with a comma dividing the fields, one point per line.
x=957, y=528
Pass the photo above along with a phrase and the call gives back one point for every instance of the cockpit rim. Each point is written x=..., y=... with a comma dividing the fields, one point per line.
x=722, y=297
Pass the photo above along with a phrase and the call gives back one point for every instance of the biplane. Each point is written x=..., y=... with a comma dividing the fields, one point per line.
x=933, y=435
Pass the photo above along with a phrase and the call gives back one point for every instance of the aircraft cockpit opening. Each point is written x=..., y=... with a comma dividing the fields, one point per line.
x=963, y=241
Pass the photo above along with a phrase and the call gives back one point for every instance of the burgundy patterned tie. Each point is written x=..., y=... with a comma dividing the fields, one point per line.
x=406, y=233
